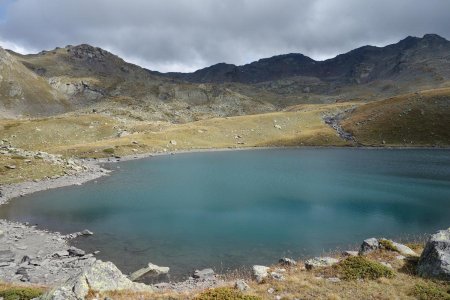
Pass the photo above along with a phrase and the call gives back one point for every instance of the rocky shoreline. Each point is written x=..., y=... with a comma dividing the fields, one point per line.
x=36, y=256
x=30, y=255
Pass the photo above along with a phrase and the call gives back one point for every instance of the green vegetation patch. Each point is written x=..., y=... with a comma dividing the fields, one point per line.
x=430, y=291
x=20, y=293
x=359, y=267
x=388, y=245
x=109, y=150
x=224, y=293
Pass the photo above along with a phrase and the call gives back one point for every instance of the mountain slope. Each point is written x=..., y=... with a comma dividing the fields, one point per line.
x=93, y=78
x=418, y=119
x=22, y=92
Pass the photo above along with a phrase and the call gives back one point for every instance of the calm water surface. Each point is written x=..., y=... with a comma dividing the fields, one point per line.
x=227, y=209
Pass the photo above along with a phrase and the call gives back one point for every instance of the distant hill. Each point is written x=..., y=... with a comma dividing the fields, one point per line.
x=428, y=57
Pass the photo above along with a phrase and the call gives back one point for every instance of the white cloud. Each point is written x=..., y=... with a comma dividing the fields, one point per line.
x=169, y=35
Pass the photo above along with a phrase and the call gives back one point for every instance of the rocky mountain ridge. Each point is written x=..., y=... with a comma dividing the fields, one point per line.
x=86, y=79
x=360, y=65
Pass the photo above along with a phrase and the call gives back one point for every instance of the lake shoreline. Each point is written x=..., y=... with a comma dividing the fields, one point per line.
x=95, y=169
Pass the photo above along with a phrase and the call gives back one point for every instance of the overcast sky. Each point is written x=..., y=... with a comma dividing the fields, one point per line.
x=185, y=35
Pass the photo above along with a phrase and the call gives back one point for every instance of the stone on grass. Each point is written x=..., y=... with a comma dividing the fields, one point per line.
x=260, y=273
x=277, y=276
x=350, y=253
x=241, y=285
x=318, y=262
x=287, y=261
x=435, y=259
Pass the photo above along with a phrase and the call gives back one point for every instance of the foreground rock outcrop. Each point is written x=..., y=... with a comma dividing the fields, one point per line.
x=36, y=256
x=101, y=277
x=435, y=258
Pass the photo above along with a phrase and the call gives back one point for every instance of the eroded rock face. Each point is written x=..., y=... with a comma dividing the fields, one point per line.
x=101, y=276
x=435, y=258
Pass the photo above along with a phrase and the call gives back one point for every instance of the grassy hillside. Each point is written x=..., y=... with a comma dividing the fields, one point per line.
x=418, y=119
x=95, y=135
x=22, y=92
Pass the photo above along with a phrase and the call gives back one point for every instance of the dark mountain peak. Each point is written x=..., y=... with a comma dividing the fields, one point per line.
x=285, y=58
x=434, y=37
x=86, y=51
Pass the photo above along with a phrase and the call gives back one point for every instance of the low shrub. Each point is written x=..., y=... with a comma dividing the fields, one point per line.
x=388, y=245
x=224, y=293
x=430, y=291
x=359, y=267
x=109, y=150
x=20, y=293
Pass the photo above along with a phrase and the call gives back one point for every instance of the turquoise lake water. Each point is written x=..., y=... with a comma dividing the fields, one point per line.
x=233, y=208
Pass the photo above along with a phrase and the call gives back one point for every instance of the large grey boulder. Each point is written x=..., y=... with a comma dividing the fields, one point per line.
x=101, y=277
x=435, y=258
x=150, y=269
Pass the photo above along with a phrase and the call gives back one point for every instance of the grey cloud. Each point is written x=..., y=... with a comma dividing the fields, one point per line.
x=171, y=35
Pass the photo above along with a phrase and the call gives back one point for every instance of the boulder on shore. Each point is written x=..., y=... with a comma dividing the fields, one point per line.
x=260, y=273
x=287, y=261
x=203, y=274
x=368, y=246
x=101, y=277
x=151, y=268
x=435, y=259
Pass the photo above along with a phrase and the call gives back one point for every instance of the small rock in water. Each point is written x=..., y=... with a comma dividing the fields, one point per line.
x=287, y=261
x=319, y=262
x=87, y=232
x=277, y=276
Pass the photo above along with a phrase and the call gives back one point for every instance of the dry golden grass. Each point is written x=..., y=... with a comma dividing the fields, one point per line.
x=418, y=119
x=89, y=135
x=26, y=171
